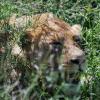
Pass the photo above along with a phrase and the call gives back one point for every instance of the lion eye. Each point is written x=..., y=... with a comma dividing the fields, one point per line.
x=56, y=43
x=77, y=39
x=56, y=46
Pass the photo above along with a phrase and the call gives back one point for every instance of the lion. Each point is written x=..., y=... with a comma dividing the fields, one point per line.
x=51, y=41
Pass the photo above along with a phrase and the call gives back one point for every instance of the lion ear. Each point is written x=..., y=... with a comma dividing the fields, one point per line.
x=76, y=29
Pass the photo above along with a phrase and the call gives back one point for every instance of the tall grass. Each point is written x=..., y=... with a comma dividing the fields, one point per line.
x=84, y=12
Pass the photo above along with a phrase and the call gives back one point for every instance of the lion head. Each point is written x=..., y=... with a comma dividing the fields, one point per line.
x=56, y=43
x=52, y=41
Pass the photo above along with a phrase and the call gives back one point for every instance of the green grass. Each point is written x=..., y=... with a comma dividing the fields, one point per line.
x=72, y=11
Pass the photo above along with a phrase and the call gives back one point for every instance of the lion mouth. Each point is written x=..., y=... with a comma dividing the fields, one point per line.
x=72, y=67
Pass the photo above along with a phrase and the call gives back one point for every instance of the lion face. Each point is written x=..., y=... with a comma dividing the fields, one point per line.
x=61, y=50
x=73, y=57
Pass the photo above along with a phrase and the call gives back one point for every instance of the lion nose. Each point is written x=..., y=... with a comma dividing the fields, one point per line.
x=75, y=61
x=78, y=60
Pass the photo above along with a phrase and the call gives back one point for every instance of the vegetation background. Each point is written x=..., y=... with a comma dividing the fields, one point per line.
x=84, y=12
